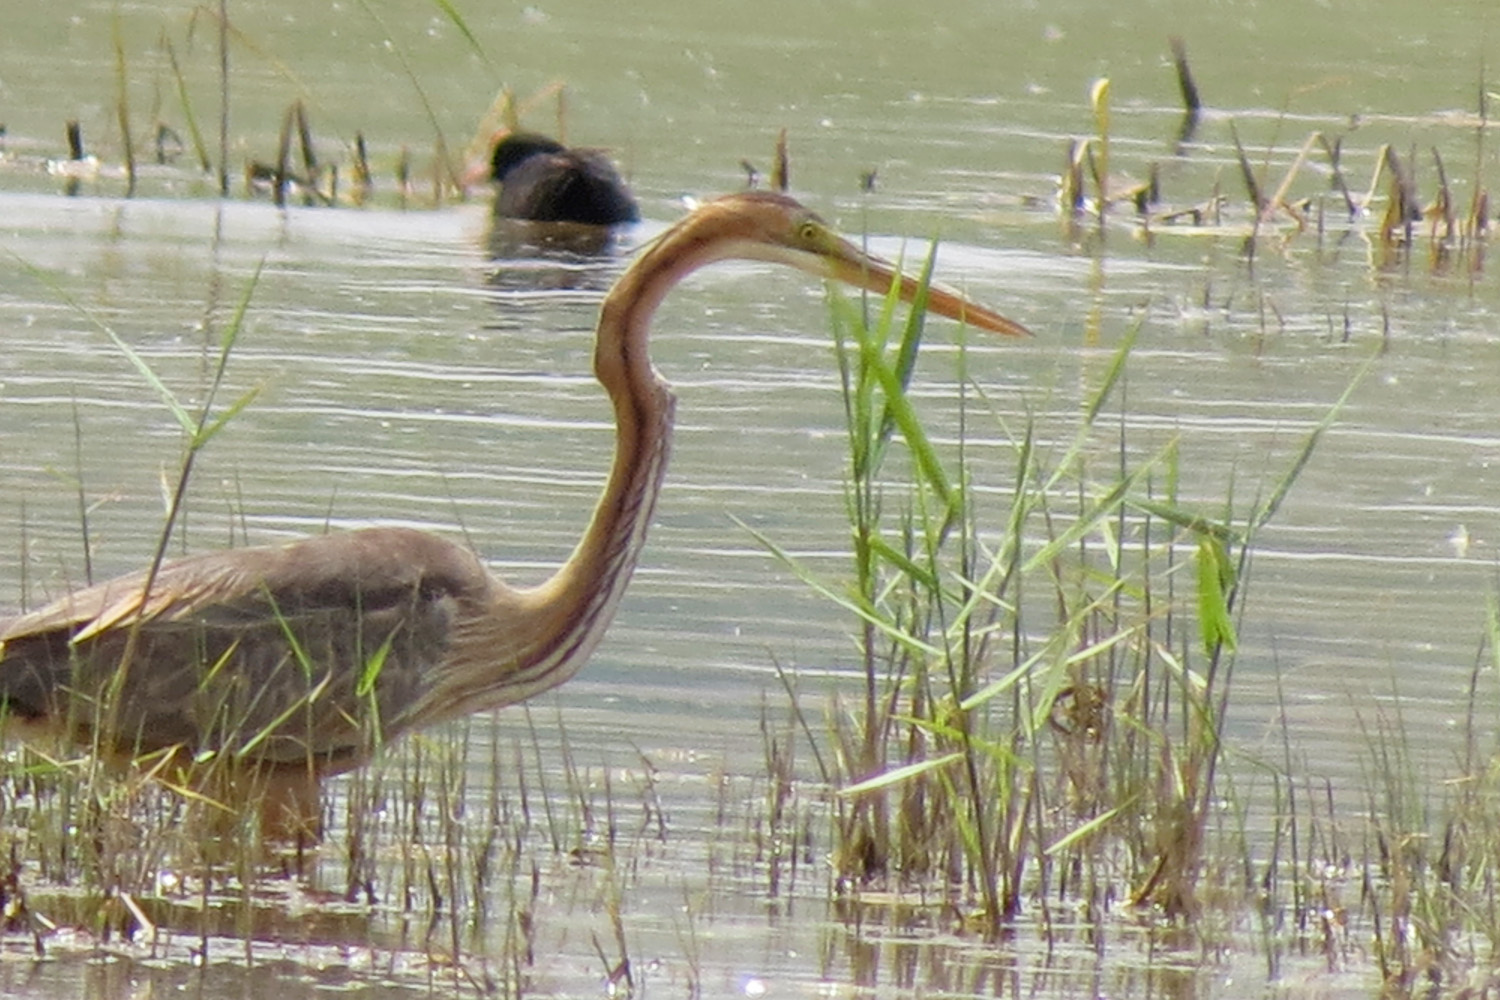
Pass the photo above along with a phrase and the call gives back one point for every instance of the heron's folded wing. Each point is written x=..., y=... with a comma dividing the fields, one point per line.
x=355, y=570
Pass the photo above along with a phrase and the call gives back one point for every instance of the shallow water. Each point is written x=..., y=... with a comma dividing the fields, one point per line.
x=404, y=377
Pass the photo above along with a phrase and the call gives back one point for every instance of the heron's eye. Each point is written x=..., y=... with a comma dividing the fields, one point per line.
x=807, y=232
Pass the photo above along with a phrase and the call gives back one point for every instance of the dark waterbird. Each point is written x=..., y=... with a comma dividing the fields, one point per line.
x=541, y=180
x=272, y=667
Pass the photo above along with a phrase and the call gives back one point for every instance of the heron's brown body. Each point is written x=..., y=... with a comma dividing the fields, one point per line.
x=300, y=660
x=266, y=652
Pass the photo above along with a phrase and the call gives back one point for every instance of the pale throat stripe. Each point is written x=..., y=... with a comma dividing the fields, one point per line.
x=569, y=653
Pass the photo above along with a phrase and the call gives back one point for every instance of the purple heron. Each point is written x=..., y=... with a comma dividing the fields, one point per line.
x=290, y=662
x=541, y=180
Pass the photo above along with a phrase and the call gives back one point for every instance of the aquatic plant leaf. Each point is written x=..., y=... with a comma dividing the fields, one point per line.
x=1215, y=581
x=896, y=775
x=399, y=51
x=911, y=337
x=1196, y=523
x=204, y=430
x=184, y=419
x=1105, y=508
x=904, y=563
x=248, y=749
x=184, y=99
x=1284, y=486
x=900, y=635
x=229, y=414
x=452, y=14
x=370, y=673
x=1078, y=833
x=898, y=409
x=1115, y=372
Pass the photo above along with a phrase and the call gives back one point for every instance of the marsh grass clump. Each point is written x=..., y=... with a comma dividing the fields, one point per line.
x=424, y=872
x=193, y=65
x=1045, y=663
x=1037, y=735
x=1311, y=194
x=1424, y=845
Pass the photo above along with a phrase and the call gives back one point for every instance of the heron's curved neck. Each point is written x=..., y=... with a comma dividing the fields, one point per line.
x=577, y=604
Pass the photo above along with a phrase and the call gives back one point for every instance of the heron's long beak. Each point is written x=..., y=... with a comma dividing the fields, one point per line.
x=847, y=263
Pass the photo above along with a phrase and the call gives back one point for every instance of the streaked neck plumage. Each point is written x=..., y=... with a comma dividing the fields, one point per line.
x=562, y=620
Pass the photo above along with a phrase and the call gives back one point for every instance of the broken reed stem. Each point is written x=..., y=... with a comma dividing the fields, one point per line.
x=1189, y=88
x=1402, y=209
x=1479, y=203
x=304, y=139
x=122, y=108
x=1380, y=166
x=1072, y=192
x=1332, y=151
x=223, y=98
x=403, y=174
x=364, y=183
x=781, y=166
x=1099, y=101
x=1185, y=82
x=283, y=156
x=1278, y=200
x=1247, y=173
x=1443, y=209
x=510, y=115
x=200, y=149
x=1479, y=222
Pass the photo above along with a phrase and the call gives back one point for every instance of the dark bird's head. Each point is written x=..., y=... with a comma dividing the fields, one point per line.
x=515, y=148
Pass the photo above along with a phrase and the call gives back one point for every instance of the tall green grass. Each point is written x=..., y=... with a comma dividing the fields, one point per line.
x=1046, y=662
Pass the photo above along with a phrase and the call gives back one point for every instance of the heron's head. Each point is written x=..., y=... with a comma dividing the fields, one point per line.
x=764, y=225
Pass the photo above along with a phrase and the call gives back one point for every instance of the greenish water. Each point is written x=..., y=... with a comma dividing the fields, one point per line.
x=402, y=382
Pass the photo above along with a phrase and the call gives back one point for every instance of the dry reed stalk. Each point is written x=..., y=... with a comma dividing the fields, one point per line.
x=282, y=173
x=364, y=181
x=223, y=98
x=1071, y=193
x=1247, y=174
x=1332, y=151
x=1278, y=199
x=1442, y=207
x=74, y=133
x=122, y=109
x=1402, y=208
x=1099, y=102
x=403, y=174
x=1185, y=82
x=781, y=165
